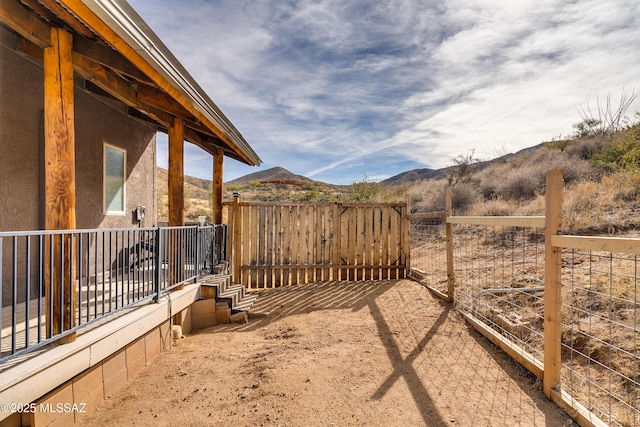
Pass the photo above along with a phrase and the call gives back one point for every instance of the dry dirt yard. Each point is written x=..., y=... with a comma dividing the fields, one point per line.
x=384, y=353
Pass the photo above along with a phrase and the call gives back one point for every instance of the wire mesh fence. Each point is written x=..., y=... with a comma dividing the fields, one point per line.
x=499, y=273
x=499, y=265
x=600, y=336
x=428, y=254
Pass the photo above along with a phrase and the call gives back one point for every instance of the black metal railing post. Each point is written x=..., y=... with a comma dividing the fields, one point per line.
x=158, y=264
x=196, y=261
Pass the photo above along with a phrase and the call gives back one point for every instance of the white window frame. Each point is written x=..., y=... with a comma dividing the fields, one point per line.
x=106, y=209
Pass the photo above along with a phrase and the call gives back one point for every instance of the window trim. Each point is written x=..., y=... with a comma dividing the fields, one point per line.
x=105, y=208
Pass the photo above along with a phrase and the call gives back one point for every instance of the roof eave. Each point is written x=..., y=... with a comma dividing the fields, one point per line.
x=140, y=42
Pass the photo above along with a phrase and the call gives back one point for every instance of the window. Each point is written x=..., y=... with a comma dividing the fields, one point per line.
x=115, y=161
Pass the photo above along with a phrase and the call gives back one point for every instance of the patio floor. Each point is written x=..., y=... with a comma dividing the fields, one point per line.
x=359, y=353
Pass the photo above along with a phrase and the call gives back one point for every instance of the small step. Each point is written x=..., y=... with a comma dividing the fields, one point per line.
x=234, y=294
x=214, y=279
x=245, y=303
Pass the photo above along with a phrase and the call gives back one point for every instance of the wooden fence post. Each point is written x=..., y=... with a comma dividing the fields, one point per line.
x=237, y=238
x=448, y=206
x=552, y=284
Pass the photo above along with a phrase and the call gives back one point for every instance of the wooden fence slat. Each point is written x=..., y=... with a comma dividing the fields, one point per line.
x=250, y=217
x=336, y=239
x=269, y=219
x=295, y=228
x=286, y=238
x=377, y=230
x=385, y=242
x=368, y=242
x=343, y=253
x=393, y=247
x=278, y=242
x=288, y=244
x=352, y=242
x=359, y=239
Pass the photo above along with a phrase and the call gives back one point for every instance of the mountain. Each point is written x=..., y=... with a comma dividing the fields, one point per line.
x=415, y=175
x=275, y=174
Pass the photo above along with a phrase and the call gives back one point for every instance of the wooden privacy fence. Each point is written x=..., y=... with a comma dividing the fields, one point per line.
x=280, y=244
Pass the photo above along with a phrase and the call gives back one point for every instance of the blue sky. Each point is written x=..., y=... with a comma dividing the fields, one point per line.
x=337, y=90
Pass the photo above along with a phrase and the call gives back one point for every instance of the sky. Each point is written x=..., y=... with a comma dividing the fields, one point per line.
x=346, y=90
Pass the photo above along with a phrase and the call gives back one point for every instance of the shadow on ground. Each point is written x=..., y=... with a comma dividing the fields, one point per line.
x=454, y=375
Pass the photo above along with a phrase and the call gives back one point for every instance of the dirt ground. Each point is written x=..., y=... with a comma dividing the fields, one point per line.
x=385, y=353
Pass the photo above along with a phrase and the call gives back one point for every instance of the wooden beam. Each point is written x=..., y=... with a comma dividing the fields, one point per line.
x=217, y=186
x=163, y=101
x=598, y=244
x=176, y=202
x=176, y=173
x=42, y=11
x=67, y=18
x=59, y=133
x=117, y=87
x=499, y=221
x=108, y=57
x=552, y=284
x=59, y=171
x=24, y=22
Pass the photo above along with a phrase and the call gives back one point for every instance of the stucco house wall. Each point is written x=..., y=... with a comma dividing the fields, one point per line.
x=97, y=121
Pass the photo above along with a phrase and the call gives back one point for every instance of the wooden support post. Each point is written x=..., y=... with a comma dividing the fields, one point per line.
x=237, y=238
x=176, y=173
x=176, y=199
x=217, y=186
x=448, y=208
x=60, y=181
x=553, y=288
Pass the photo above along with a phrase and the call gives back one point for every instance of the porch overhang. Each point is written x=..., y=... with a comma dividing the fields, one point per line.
x=119, y=56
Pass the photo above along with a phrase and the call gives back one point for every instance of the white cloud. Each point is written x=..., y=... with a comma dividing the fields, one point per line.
x=318, y=86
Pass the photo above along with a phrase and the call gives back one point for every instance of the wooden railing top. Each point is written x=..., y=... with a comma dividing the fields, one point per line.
x=345, y=204
x=599, y=244
x=503, y=221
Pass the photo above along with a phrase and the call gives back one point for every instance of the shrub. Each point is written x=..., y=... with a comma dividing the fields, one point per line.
x=623, y=154
x=363, y=191
x=495, y=207
x=586, y=148
x=427, y=196
x=463, y=196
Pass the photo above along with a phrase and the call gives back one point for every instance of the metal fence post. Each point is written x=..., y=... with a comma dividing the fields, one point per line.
x=196, y=261
x=552, y=284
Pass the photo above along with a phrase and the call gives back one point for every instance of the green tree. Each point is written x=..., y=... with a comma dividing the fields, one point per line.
x=363, y=191
x=622, y=155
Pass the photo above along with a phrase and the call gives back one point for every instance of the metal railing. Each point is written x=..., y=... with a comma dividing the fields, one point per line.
x=55, y=282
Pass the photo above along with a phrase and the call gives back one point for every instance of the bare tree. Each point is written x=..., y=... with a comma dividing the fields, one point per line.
x=462, y=169
x=607, y=119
